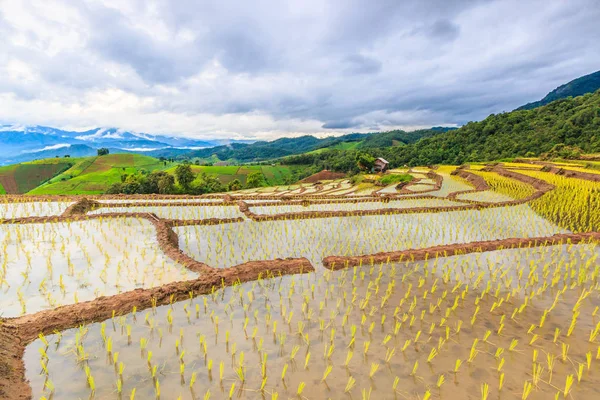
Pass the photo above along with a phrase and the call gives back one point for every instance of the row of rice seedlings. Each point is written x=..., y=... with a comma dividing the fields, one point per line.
x=32, y=209
x=510, y=187
x=573, y=204
x=513, y=322
x=450, y=183
x=231, y=244
x=179, y=212
x=48, y=265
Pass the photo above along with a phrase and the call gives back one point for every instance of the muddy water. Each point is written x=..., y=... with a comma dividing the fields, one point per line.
x=334, y=317
x=226, y=245
x=47, y=265
x=179, y=212
x=33, y=209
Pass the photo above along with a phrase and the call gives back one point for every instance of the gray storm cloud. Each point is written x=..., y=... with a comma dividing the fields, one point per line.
x=273, y=68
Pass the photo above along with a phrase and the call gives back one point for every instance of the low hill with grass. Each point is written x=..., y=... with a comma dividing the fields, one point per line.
x=95, y=175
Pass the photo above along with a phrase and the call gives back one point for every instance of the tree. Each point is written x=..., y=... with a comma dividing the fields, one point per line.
x=103, y=151
x=234, y=185
x=207, y=184
x=365, y=161
x=184, y=175
x=256, y=179
x=166, y=184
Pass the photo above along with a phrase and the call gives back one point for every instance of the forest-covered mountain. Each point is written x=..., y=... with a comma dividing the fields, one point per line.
x=259, y=151
x=577, y=87
x=570, y=121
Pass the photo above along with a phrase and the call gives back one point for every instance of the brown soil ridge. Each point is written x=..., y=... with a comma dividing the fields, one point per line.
x=340, y=262
x=439, y=180
x=479, y=184
x=567, y=173
x=101, y=308
x=380, y=199
x=12, y=368
x=17, y=333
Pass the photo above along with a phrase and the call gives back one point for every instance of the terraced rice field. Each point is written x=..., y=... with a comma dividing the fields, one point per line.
x=483, y=287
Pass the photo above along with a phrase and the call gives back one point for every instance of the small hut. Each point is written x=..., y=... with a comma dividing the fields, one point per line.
x=380, y=165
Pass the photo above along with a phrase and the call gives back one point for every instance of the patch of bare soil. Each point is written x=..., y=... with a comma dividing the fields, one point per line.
x=324, y=175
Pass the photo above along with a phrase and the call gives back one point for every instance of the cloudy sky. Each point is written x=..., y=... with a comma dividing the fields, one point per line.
x=264, y=69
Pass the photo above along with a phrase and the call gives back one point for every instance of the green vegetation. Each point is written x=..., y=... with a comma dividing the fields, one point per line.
x=395, y=178
x=21, y=178
x=573, y=122
x=577, y=87
x=94, y=175
x=399, y=137
x=2, y=191
x=132, y=173
x=256, y=179
x=260, y=151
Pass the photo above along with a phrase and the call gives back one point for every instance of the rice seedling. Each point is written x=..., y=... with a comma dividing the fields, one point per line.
x=497, y=311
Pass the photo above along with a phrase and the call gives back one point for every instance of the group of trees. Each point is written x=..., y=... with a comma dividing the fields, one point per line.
x=183, y=181
x=160, y=182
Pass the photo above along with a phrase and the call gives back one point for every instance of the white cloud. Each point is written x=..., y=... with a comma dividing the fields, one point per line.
x=260, y=70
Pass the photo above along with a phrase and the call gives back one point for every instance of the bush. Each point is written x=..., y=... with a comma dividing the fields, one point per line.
x=395, y=178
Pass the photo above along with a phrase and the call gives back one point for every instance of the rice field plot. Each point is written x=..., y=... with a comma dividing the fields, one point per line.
x=178, y=212
x=574, y=203
x=44, y=266
x=367, y=205
x=226, y=245
x=518, y=323
x=486, y=196
x=512, y=188
x=32, y=209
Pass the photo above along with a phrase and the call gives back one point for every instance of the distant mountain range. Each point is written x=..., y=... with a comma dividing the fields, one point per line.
x=577, y=87
x=25, y=143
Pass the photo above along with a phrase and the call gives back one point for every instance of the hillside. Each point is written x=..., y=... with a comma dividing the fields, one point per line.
x=94, y=175
x=283, y=147
x=577, y=87
x=571, y=121
x=21, y=178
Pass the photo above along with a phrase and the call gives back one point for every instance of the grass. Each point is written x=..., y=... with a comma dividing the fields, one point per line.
x=395, y=178
x=274, y=174
x=21, y=178
x=338, y=146
x=94, y=175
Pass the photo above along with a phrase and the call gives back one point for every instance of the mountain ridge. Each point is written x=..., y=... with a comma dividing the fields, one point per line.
x=577, y=87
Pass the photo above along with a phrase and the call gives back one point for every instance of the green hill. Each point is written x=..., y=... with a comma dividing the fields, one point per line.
x=261, y=151
x=577, y=87
x=571, y=121
x=21, y=178
x=93, y=175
